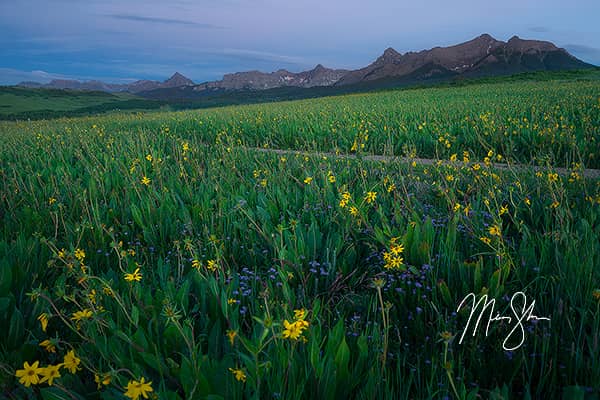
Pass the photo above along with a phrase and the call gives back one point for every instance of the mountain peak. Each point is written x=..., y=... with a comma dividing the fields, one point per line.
x=515, y=43
x=390, y=52
x=486, y=36
x=481, y=40
x=178, y=80
x=389, y=56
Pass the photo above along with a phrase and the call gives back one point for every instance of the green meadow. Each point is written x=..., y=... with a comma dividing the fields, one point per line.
x=182, y=255
x=17, y=103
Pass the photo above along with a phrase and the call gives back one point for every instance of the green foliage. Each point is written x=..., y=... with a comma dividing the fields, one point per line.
x=181, y=248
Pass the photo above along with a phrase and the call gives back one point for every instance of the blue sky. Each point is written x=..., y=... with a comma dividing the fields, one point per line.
x=124, y=40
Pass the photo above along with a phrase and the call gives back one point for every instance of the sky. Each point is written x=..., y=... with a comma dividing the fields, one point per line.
x=124, y=40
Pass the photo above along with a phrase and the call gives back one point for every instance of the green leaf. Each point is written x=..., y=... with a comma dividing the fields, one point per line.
x=193, y=381
x=573, y=393
x=135, y=315
x=445, y=292
x=477, y=278
x=342, y=358
x=137, y=215
x=5, y=277
x=5, y=303
x=16, y=330
x=54, y=394
x=495, y=282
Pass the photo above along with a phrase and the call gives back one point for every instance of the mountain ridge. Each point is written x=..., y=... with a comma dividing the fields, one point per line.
x=176, y=80
x=479, y=57
x=256, y=80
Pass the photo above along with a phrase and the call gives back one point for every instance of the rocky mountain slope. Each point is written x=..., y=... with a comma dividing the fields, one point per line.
x=480, y=57
x=256, y=80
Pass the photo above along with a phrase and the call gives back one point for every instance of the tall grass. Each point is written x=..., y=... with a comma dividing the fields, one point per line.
x=227, y=242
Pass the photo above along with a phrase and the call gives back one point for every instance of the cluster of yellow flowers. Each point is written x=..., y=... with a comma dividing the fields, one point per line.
x=552, y=177
x=238, y=374
x=80, y=315
x=346, y=197
x=389, y=185
x=70, y=260
x=102, y=380
x=361, y=138
x=294, y=330
x=124, y=253
x=135, y=389
x=211, y=265
x=331, y=177
x=43, y=318
x=393, y=258
x=261, y=177
x=370, y=197
x=495, y=230
x=34, y=374
x=79, y=255
x=446, y=139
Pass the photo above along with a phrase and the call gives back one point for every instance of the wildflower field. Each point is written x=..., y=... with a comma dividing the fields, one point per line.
x=262, y=252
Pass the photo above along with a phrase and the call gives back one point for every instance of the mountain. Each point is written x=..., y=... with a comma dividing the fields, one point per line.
x=482, y=56
x=177, y=80
x=256, y=80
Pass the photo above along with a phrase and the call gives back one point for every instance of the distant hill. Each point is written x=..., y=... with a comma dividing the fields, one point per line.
x=20, y=103
x=177, y=80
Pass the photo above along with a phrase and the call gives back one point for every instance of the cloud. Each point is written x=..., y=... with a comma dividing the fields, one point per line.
x=241, y=55
x=582, y=49
x=10, y=76
x=586, y=53
x=255, y=55
x=540, y=29
x=247, y=57
x=170, y=21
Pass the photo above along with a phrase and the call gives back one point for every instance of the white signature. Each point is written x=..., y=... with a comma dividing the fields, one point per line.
x=521, y=314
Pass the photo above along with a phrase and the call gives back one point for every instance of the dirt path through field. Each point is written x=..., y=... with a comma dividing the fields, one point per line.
x=588, y=173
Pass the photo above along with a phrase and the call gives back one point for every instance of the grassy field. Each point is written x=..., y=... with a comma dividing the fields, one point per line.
x=17, y=103
x=22, y=103
x=165, y=248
